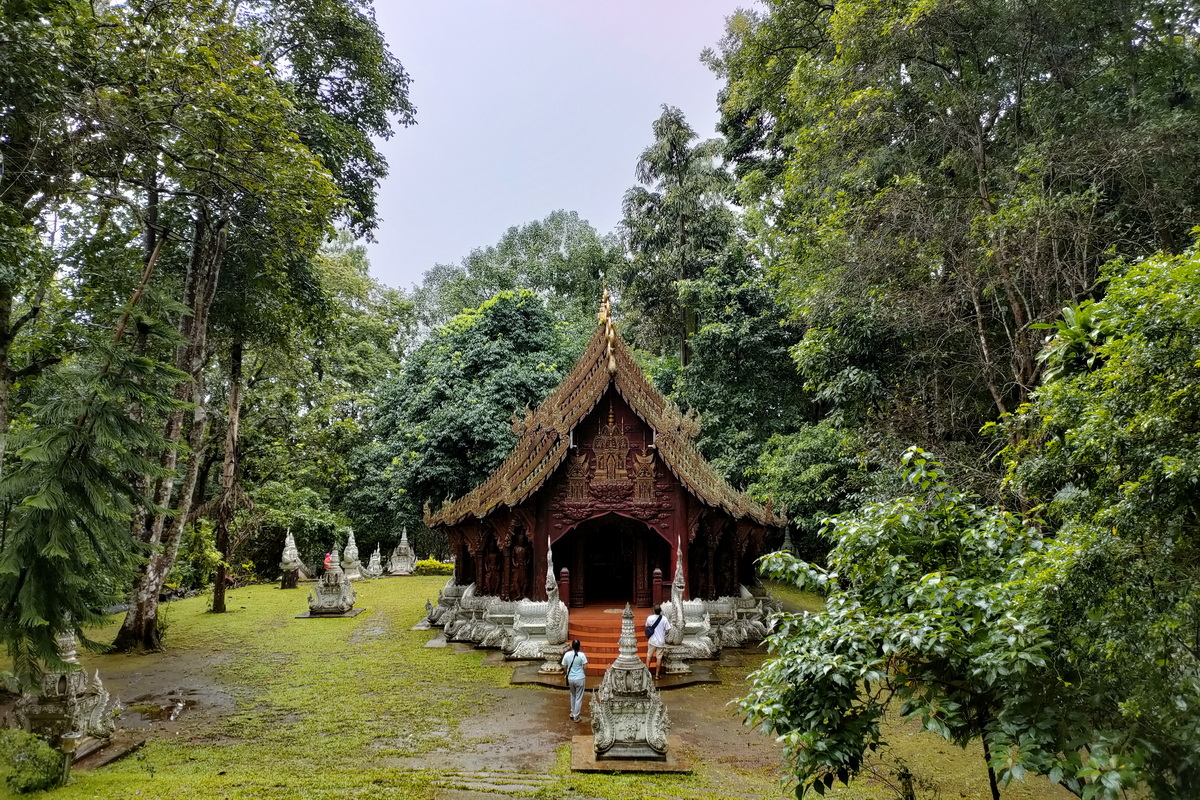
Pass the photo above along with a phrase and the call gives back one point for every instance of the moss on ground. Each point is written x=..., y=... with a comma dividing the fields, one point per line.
x=326, y=708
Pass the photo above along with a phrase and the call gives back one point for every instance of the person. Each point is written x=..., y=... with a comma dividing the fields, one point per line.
x=575, y=660
x=658, y=625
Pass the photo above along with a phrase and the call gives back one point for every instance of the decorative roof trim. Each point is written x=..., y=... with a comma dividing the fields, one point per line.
x=545, y=436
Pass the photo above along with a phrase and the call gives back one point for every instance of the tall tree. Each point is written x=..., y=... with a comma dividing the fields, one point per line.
x=676, y=226
x=444, y=423
x=1109, y=450
x=964, y=169
x=561, y=258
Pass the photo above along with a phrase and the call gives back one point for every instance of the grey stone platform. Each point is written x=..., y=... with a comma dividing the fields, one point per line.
x=583, y=759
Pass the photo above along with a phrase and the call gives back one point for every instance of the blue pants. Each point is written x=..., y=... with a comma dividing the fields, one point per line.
x=576, y=695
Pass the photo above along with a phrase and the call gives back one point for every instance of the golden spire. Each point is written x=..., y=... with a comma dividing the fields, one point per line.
x=610, y=332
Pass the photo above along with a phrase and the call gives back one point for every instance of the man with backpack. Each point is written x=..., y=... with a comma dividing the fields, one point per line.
x=657, y=627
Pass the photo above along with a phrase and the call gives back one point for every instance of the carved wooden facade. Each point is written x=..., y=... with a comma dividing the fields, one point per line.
x=605, y=479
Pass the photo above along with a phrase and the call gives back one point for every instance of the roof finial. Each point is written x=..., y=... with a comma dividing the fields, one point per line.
x=605, y=313
x=610, y=332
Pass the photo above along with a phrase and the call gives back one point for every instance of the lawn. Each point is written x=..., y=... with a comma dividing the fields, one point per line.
x=350, y=708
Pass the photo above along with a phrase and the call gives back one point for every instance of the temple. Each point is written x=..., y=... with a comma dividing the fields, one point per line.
x=604, y=500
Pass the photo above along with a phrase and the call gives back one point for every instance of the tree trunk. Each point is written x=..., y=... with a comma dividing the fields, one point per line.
x=987, y=758
x=140, y=629
x=228, y=473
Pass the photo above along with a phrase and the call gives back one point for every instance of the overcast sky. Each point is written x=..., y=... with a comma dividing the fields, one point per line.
x=527, y=106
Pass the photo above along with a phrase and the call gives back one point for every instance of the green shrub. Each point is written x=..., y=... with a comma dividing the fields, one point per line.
x=432, y=566
x=198, y=558
x=32, y=764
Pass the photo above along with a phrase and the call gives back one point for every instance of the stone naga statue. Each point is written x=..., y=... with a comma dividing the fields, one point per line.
x=556, y=613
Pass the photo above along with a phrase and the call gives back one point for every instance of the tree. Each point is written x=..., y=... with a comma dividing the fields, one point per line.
x=925, y=605
x=674, y=230
x=962, y=169
x=561, y=258
x=65, y=547
x=740, y=378
x=308, y=403
x=445, y=422
x=1110, y=451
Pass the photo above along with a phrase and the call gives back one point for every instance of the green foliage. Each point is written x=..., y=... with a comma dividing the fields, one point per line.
x=956, y=173
x=1111, y=450
x=445, y=422
x=676, y=227
x=740, y=378
x=197, y=560
x=347, y=86
x=561, y=258
x=924, y=604
x=809, y=475
x=305, y=412
x=430, y=566
x=32, y=765
x=65, y=544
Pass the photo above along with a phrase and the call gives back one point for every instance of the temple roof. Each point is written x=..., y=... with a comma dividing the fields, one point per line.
x=545, y=437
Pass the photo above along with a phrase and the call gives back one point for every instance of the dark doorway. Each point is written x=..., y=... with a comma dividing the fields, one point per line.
x=611, y=560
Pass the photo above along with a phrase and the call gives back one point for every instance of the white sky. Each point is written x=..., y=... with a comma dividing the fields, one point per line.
x=527, y=106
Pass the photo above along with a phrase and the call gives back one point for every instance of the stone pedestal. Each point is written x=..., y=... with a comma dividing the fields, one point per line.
x=629, y=720
x=333, y=594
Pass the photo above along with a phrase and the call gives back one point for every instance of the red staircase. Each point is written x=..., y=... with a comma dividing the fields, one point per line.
x=598, y=628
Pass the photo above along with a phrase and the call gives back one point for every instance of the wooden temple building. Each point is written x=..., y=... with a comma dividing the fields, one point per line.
x=606, y=492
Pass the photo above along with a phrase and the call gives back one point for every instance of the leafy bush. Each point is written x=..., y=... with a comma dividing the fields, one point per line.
x=33, y=765
x=198, y=558
x=432, y=566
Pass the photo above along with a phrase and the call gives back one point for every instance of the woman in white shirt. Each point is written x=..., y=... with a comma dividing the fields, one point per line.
x=575, y=660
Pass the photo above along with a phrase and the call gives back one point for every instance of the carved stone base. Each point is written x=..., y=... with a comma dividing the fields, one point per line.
x=584, y=759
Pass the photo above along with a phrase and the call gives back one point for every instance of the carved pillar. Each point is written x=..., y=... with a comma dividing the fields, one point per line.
x=679, y=536
x=473, y=539
x=641, y=583
x=564, y=582
x=506, y=575
x=579, y=584
x=658, y=583
x=710, y=578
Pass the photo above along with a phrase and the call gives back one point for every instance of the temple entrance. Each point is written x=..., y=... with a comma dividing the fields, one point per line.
x=612, y=560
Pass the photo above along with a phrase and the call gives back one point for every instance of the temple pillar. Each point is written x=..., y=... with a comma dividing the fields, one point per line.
x=579, y=583
x=641, y=582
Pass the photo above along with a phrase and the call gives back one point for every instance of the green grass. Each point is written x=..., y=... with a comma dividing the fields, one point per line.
x=328, y=708
x=793, y=599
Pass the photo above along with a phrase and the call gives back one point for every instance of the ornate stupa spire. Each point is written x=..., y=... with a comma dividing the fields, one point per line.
x=629, y=720
x=333, y=594
x=352, y=566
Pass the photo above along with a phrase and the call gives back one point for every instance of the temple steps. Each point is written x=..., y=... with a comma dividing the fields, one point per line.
x=598, y=629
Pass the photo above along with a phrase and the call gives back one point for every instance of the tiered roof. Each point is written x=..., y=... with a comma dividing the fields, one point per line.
x=545, y=437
